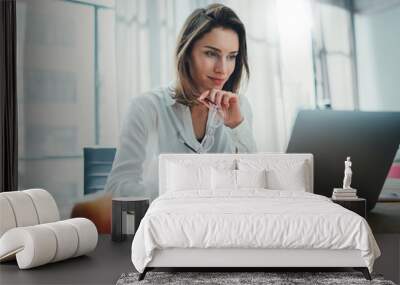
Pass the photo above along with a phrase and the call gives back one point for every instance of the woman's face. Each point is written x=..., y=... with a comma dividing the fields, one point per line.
x=213, y=58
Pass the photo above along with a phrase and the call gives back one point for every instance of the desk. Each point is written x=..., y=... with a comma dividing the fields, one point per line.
x=104, y=265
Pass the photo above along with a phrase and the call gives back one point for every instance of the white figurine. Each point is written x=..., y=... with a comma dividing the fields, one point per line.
x=347, y=174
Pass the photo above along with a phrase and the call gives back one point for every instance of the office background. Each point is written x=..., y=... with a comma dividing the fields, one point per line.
x=79, y=62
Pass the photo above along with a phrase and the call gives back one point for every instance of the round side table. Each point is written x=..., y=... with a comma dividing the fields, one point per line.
x=124, y=211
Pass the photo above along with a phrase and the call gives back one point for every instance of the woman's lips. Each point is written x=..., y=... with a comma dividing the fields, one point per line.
x=217, y=81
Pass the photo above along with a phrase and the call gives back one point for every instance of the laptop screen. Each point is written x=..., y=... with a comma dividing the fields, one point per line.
x=371, y=139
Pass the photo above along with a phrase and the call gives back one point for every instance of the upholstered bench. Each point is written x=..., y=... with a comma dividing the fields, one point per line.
x=31, y=232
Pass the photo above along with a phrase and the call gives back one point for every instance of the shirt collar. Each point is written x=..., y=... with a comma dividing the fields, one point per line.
x=169, y=95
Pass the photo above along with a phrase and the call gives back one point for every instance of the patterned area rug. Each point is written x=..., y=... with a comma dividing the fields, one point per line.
x=225, y=278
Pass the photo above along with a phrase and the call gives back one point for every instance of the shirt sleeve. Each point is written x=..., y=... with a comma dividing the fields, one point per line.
x=126, y=176
x=242, y=135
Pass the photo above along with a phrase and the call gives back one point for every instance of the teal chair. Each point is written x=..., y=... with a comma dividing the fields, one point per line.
x=97, y=165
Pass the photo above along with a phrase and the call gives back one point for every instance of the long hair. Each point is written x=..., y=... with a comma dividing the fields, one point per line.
x=199, y=23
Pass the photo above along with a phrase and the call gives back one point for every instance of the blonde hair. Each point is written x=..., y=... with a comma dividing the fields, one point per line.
x=199, y=23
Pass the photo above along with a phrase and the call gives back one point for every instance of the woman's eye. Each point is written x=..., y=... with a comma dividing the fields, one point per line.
x=232, y=57
x=210, y=53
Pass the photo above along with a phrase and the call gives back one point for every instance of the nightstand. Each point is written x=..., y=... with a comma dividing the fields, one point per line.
x=127, y=212
x=357, y=205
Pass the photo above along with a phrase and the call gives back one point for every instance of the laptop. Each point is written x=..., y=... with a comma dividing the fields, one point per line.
x=371, y=139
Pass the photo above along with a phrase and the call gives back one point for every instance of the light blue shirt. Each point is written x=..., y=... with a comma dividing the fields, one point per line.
x=155, y=123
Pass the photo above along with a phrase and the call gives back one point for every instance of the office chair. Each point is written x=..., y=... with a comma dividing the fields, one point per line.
x=97, y=166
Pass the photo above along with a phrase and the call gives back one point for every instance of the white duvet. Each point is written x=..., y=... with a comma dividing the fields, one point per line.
x=251, y=218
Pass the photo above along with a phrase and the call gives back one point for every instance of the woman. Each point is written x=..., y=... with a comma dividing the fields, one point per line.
x=201, y=112
x=187, y=117
x=211, y=57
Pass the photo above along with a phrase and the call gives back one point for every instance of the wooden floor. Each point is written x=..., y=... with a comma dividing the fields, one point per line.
x=389, y=262
x=384, y=221
x=102, y=266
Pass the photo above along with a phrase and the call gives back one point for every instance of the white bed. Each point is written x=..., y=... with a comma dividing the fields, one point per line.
x=203, y=220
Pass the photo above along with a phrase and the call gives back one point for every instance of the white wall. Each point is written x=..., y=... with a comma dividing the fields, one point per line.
x=56, y=93
x=378, y=59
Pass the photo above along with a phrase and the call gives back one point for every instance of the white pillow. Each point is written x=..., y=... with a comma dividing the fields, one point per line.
x=236, y=179
x=251, y=178
x=281, y=174
x=293, y=178
x=181, y=177
x=223, y=179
